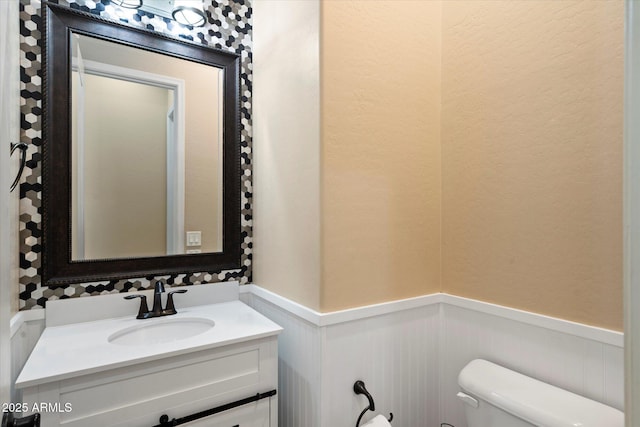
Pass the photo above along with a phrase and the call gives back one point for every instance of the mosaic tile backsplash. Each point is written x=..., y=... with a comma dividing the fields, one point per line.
x=228, y=28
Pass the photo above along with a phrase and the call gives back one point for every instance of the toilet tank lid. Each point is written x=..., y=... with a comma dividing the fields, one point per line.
x=534, y=401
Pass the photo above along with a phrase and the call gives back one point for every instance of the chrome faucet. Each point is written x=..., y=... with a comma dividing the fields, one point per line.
x=156, y=311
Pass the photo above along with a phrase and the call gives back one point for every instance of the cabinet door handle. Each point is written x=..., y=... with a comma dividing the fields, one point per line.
x=165, y=422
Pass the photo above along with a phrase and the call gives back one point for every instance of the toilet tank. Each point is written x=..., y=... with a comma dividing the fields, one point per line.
x=495, y=396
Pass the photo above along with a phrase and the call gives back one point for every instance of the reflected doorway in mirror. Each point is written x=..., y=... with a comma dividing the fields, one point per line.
x=128, y=149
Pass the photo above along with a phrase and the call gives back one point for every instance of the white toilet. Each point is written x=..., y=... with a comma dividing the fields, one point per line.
x=498, y=397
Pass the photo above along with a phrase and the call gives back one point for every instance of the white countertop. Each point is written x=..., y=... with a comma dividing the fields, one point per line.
x=83, y=348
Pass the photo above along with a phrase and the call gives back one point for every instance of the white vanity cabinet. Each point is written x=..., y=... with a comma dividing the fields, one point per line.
x=78, y=376
x=178, y=386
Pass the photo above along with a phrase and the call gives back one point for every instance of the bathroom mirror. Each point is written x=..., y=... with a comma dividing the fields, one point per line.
x=141, y=167
x=130, y=135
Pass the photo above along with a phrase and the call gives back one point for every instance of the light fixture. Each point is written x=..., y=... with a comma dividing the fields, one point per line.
x=129, y=4
x=189, y=12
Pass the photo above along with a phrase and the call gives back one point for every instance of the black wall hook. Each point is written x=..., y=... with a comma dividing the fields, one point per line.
x=359, y=388
x=23, y=160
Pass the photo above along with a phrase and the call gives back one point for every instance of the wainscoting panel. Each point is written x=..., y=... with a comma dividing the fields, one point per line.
x=392, y=348
x=409, y=354
x=584, y=366
x=26, y=328
x=299, y=365
x=396, y=355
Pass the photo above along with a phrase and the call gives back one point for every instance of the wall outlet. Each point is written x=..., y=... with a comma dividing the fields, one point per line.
x=194, y=238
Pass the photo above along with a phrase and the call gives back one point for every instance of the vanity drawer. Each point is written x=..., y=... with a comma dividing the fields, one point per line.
x=178, y=386
x=200, y=376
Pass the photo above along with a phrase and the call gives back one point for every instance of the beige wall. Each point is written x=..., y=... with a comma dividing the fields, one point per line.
x=286, y=144
x=532, y=156
x=125, y=171
x=380, y=151
x=9, y=132
x=202, y=162
x=494, y=124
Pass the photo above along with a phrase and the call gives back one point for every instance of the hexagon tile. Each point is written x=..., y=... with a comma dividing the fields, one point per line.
x=229, y=28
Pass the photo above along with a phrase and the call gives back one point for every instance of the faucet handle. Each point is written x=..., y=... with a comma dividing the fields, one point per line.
x=171, y=309
x=144, y=309
x=159, y=287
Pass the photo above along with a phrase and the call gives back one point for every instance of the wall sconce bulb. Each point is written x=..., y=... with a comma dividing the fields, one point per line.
x=128, y=4
x=189, y=12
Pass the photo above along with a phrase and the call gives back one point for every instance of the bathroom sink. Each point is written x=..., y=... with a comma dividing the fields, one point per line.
x=89, y=347
x=161, y=331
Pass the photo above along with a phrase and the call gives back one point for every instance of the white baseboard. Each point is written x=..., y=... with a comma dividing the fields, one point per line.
x=581, y=330
x=595, y=333
x=341, y=316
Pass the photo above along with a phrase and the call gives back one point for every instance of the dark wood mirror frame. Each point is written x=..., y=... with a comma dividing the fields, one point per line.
x=58, y=269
